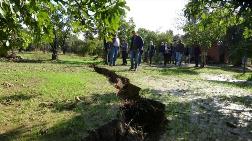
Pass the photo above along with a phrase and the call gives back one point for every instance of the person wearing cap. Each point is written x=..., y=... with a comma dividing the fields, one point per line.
x=135, y=47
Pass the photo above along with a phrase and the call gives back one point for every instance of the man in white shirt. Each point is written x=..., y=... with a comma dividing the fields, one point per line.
x=114, y=51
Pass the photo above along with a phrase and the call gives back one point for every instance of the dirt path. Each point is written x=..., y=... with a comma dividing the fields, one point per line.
x=215, y=108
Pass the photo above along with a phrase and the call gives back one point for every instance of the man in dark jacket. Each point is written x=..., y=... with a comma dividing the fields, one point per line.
x=179, y=52
x=135, y=47
x=124, y=49
x=196, y=55
x=151, y=51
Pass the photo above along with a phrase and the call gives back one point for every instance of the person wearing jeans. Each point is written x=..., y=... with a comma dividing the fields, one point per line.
x=134, y=54
x=135, y=47
x=151, y=51
x=179, y=52
x=124, y=49
x=140, y=56
x=114, y=51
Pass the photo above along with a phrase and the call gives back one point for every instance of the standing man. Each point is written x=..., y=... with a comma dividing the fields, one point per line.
x=196, y=55
x=124, y=49
x=140, y=54
x=135, y=47
x=167, y=54
x=179, y=52
x=161, y=52
x=114, y=51
x=151, y=51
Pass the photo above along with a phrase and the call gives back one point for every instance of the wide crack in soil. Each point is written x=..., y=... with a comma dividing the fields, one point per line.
x=139, y=119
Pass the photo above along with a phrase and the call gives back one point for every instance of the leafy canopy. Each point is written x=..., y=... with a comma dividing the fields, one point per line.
x=40, y=18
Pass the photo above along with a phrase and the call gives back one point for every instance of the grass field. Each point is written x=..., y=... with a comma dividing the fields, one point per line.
x=38, y=99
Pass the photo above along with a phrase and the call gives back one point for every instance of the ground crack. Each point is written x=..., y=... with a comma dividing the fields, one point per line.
x=139, y=119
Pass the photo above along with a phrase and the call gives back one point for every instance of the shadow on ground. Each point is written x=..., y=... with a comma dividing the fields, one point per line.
x=89, y=62
x=7, y=100
x=15, y=134
x=229, y=68
x=92, y=112
x=175, y=71
x=242, y=100
x=211, y=118
x=245, y=84
x=67, y=62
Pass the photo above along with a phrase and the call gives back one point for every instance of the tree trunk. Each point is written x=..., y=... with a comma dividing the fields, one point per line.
x=203, y=57
x=105, y=51
x=64, y=47
x=3, y=51
x=54, y=49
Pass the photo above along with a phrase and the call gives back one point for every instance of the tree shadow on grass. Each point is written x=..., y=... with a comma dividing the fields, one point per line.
x=228, y=68
x=242, y=100
x=14, y=134
x=31, y=61
x=206, y=119
x=243, y=84
x=88, y=62
x=178, y=71
x=93, y=112
x=7, y=100
x=84, y=62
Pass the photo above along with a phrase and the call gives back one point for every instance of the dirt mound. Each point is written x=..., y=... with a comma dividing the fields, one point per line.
x=126, y=89
x=115, y=130
x=145, y=114
x=138, y=121
x=139, y=118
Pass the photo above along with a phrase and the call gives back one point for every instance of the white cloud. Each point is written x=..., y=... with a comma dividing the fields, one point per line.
x=157, y=15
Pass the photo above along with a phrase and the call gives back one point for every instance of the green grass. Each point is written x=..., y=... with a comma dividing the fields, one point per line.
x=40, y=57
x=37, y=100
x=38, y=97
x=187, y=120
x=246, y=76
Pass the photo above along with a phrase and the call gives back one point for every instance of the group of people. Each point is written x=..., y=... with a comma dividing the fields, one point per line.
x=135, y=50
x=171, y=54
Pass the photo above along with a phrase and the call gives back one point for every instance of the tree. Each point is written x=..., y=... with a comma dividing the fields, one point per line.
x=126, y=28
x=241, y=9
x=214, y=19
x=101, y=16
x=207, y=27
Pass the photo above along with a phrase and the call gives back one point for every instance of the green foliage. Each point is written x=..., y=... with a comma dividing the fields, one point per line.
x=232, y=12
x=207, y=30
x=45, y=19
x=87, y=47
x=156, y=37
x=126, y=28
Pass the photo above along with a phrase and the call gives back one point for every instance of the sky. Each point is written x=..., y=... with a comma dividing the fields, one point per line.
x=157, y=15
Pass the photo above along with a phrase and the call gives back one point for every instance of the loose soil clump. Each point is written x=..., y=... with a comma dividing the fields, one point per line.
x=139, y=118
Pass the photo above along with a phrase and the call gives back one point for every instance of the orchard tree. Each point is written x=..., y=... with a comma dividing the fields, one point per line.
x=126, y=28
x=240, y=9
x=206, y=30
x=98, y=16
